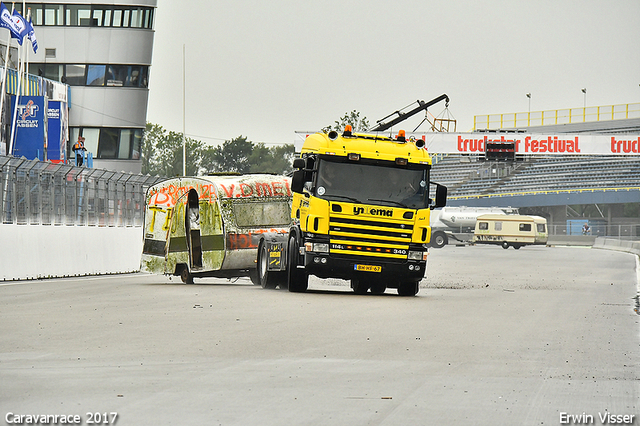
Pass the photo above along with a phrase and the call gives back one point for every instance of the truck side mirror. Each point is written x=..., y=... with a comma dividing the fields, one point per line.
x=441, y=196
x=299, y=163
x=297, y=180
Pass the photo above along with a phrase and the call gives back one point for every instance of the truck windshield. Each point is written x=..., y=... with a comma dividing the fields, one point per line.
x=370, y=184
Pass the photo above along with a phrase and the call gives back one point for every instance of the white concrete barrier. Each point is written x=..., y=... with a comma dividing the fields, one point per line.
x=618, y=245
x=41, y=251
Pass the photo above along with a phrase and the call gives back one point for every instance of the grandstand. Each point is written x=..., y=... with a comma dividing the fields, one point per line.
x=603, y=190
x=472, y=177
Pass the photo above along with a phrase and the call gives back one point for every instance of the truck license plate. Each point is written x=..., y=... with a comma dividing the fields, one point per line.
x=367, y=268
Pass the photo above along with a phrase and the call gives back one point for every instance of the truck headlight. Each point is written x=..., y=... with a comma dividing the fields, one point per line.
x=418, y=255
x=317, y=247
x=321, y=247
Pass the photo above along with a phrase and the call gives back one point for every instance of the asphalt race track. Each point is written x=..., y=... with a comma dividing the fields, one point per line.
x=495, y=337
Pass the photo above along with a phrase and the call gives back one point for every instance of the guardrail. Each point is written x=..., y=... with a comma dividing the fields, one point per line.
x=44, y=193
x=542, y=192
x=556, y=116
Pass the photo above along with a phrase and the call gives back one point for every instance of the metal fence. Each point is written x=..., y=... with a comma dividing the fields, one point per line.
x=44, y=193
x=613, y=230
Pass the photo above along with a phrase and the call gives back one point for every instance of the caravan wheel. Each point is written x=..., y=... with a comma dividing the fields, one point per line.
x=186, y=276
x=505, y=245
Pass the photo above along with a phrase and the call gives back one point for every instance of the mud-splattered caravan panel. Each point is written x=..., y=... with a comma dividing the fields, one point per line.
x=211, y=225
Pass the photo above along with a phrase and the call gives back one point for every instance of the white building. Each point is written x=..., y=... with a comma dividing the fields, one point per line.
x=103, y=51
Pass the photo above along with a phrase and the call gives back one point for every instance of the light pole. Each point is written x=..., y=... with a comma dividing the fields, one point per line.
x=584, y=109
x=184, y=106
x=529, y=114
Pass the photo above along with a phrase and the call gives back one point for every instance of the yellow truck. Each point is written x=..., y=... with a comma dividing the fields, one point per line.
x=361, y=211
x=510, y=230
x=210, y=226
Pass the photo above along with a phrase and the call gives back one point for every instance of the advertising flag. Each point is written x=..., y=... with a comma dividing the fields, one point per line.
x=31, y=36
x=20, y=24
x=14, y=23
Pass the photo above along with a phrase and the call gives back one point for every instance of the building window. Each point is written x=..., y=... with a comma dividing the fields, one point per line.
x=36, y=13
x=53, y=14
x=87, y=15
x=51, y=71
x=124, y=149
x=136, y=142
x=74, y=75
x=126, y=18
x=137, y=17
x=13, y=57
x=117, y=18
x=91, y=140
x=107, y=18
x=110, y=143
x=78, y=15
x=98, y=18
x=94, y=75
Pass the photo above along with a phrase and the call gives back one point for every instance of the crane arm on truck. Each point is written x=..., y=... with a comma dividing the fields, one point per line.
x=422, y=106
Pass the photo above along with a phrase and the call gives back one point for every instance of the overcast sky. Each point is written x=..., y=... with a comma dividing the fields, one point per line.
x=265, y=69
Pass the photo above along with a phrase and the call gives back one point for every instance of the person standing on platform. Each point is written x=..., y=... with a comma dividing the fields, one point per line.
x=79, y=149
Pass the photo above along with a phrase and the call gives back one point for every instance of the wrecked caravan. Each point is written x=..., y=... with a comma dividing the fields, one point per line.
x=210, y=226
x=510, y=230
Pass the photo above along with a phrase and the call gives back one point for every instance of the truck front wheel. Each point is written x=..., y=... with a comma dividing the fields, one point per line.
x=378, y=287
x=297, y=279
x=408, y=288
x=359, y=286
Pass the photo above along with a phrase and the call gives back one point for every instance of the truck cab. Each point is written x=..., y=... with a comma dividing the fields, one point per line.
x=361, y=206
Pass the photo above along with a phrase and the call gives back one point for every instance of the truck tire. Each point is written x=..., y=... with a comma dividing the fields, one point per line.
x=378, y=287
x=297, y=279
x=408, y=288
x=359, y=286
x=267, y=279
x=439, y=239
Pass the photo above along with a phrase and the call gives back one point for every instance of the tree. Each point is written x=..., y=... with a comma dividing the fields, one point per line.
x=162, y=153
x=277, y=159
x=231, y=156
x=351, y=118
x=152, y=134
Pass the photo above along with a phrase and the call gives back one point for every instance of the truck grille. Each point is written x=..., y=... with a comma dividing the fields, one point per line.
x=369, y=238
